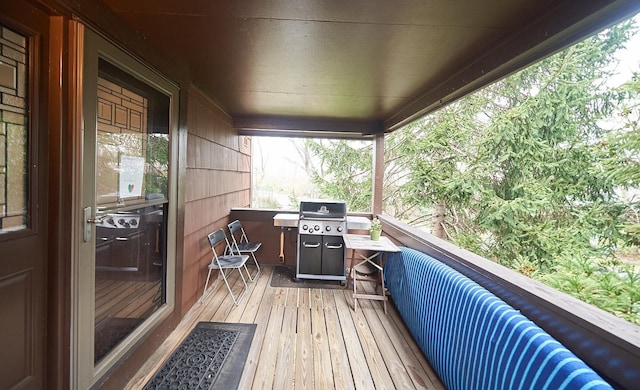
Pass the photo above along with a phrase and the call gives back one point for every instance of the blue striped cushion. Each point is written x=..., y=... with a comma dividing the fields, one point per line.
x=472, y=338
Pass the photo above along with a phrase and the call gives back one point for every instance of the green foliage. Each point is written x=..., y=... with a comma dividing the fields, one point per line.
x=344, y=172
x=157, y=164
x=622, y=161
x=526, y=171
x=614, y=289
x=517, y=164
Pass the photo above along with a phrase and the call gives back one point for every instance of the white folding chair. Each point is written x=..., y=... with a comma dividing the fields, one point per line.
x=225, y=264
x=240, y=245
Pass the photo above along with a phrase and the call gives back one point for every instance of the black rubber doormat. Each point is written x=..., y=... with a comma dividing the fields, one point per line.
x=285, y=277
x=212, y=356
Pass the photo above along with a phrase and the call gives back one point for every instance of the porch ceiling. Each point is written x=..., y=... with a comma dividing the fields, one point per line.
x=357, y=66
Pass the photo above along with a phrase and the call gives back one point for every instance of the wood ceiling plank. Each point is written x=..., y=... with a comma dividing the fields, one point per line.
x=359, y=60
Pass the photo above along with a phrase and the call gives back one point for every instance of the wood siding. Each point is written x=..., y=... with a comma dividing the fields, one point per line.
x=218, y=178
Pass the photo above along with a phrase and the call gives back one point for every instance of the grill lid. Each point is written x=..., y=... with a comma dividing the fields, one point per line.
x=323, y=209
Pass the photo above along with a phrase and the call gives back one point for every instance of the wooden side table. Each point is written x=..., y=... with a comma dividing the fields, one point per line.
x=361, y=242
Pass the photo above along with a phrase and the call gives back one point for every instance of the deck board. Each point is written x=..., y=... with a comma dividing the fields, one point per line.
x=322, y=375
x=355, y=351
x=415, y=364
x=264, y=375
x=309, y=338
x=261, y=319
x=389, y=358
x=285, y=374
x=341, y=368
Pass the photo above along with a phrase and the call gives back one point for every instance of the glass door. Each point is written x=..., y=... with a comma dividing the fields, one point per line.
x=131, y=175
x=125, y=267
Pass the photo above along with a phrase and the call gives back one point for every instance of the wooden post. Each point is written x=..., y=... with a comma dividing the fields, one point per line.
x=378, y=173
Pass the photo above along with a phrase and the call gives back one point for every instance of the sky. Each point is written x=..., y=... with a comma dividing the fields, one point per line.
x=629, y=58
x=279, y=156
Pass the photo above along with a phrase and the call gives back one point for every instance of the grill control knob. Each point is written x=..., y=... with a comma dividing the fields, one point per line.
x=110, y=221
x=328, y=228
x=305, y=227
x=316, y=228
x=133, y=222
x=339, y=228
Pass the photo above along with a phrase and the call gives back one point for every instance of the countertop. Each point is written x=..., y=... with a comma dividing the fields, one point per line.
x=291, y=220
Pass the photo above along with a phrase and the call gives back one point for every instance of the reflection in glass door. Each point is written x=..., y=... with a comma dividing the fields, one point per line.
x=132, y=151
x=124, y=273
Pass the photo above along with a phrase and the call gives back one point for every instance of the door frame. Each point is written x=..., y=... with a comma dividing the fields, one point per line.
x=89, y=46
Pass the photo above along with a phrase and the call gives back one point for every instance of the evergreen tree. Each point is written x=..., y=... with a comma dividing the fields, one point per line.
x=343, y=172
x=526, y=172
x=518, y=164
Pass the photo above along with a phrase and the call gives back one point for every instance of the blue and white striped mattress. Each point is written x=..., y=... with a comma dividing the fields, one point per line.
x=472, y=338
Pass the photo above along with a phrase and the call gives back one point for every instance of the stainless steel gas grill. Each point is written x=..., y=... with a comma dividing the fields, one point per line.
x=321, y=252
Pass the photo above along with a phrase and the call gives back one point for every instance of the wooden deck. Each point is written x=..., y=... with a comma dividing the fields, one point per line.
x=310, y=339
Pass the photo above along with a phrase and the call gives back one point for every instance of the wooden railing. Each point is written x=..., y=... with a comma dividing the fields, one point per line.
x=608, y=344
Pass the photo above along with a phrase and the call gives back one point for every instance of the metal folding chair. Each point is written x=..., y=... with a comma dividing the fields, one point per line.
x=240, y=244
x=223, y=263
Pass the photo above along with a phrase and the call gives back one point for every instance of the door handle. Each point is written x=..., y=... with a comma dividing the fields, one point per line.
x=96, y=220
x=329, y=246
x=89, y=220
x=86, y=224
x=314, y=245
